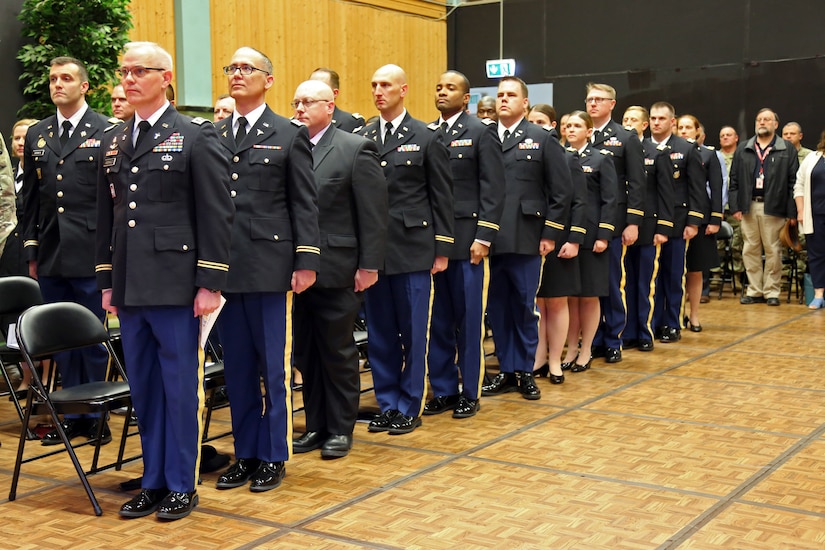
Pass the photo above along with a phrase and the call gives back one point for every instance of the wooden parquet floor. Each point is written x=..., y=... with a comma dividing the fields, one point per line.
x=717, y=441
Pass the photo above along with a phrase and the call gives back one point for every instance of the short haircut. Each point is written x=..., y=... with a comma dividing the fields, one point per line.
x=731, y=127
x=798, y=126
x=161, y=55
x=664, y=105
x=607, y=88
x=545, y=109
x=645, y=113
x=588, y=121
x=696, y=123
x=223, y=96
x=516, y=79
x=768, y=110
x=465, y=82
x=487, y=99
x=66, y=60
x=334, y=79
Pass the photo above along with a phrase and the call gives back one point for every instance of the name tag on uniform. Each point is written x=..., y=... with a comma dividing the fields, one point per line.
x=587, y=169
x=650, y=162
x=108, y=162
x=38, y=152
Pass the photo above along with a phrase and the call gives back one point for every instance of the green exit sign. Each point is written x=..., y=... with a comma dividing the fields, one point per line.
x=497, y=68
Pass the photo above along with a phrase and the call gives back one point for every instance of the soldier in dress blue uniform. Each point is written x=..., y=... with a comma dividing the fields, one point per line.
x=419, y=242
x=628, y=159
x=164, y=220
x=58, y=220
x=538, y=194
x=275, y=253
x=461, y=290
x=348, y=122
x=691, y=210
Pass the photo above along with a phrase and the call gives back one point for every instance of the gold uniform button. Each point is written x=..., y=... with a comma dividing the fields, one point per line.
x=236, y=158
x=166, y=167
x=234, y=177
x=529, y=157
x=133, y=187
x=131, y=223
x=61, y=210
x=132, y=205
x=266, y=161
x=185, y=247
x=91, y=159
x=460, y=156
x=233, y=193
x=60, y=194
x=275, y=237
x=60, y=162
x=424, y=223
x=135, y=169
x=59, y=177
x=409, y=162
x=538, y=213
x=383, y=163
x=475, y=215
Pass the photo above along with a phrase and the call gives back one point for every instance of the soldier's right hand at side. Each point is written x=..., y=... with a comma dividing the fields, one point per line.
x=106, y=301
x=33, y=269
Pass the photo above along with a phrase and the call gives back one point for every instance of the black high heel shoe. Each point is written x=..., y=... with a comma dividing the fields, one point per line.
x=581, y=368
x=542, y=371
x=556, y=378
x=691, y=326
x=568, y=364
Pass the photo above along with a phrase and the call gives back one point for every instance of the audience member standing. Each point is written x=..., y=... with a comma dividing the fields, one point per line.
x=809, y=194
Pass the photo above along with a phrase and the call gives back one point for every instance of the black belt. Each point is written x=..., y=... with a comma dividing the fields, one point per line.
x=759, y=199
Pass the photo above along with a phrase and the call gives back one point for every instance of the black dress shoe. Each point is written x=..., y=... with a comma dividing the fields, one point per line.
x=336, y=446
x=238, y=474
x=543, y=370
x=557, y=378
x=145, y=503
x=630, y=344
x=581, y=368
x=748, y=300
x=211, y=459
x=438, y=405
x=381, y=423
x=694, y=328
x=308, y=442
x=466, y=407
x=528, y=388
x=403, y=424
x=613, y=355
x=645, y=345
x=267, y=477
x=105, y=437
x=503, y=382
x=670, y=335
x=177, y=505
x=598, y=351
x=773, y=301
x=132, y=484
x=567, y=365
x=74, y=427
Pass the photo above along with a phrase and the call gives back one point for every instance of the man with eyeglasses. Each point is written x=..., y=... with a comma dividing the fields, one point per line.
x=164, y=220
x=628, y=159
x=348, y=122
x=419, y=241
x=61, y=155
x=352, y=203
x=275, y=253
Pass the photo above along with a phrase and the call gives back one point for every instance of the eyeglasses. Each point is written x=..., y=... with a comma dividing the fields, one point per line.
x=137, y=72
x=246, y=70
x=596, y=100
x=307, y=103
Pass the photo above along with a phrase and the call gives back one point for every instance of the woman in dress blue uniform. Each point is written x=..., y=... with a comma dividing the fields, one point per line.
x=601, y=185
x=702, y=255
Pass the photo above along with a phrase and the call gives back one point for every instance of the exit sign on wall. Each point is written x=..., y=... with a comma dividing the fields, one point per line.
x=497, y=68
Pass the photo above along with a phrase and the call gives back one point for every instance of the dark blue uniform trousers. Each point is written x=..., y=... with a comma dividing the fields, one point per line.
x=642, y=262
x=614, y=305
x=164, y=363
x=398, y=320
x=87, y=364
x=256, y=334
x=670, y=293
x=458, y=324
x=514, y=318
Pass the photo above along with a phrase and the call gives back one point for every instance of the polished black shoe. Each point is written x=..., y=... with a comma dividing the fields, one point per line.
x=144, y=503
x=567, y=365
x=177, y=505
x=105, y=437
x=403, y=424
x=466, y=407
x=74, y=427
x=556, y=378
x=503, y=382
x=527, y=386
x=238, y=474
x=694, y=328
x=543, y=370
x=132, y=484
x=308, y=442
x=773, y=301
x=438, y=405
x=613, y=355
x=381, y=423
x=267, y=477
x=645, y=345
x=598, y=351
x=581, y=368
x=748, y=300
x=630, y=344
x=336, y=446
x=670, y=335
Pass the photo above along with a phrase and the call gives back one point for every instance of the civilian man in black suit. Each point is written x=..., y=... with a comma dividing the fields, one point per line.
x=419, y=242
x=275, y=253
x=164, y=221
x=461, y=290
x=348, y=122
x=538, y=195
x=352, y=208
x=61, y=155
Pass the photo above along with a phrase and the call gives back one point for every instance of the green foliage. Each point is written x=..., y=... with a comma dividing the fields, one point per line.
x=93, y=31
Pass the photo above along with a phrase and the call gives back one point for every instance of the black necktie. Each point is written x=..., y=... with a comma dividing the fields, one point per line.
x=506, y=135
x=143, y=129
x=387, y=131
x=64, y=137
x=596, y=135
x=445, y=127
x=241, y=133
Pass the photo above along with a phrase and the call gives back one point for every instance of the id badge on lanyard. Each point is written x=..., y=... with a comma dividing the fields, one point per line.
x=760, y=178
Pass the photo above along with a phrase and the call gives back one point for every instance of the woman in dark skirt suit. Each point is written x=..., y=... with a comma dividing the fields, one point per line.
x=702, y=255
x=600, y=202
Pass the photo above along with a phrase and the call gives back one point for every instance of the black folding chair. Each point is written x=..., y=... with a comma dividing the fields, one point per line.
x=17, y=294
x=50, y=328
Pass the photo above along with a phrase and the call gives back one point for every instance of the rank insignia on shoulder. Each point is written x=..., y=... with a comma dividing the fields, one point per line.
x=630, y=128
x=199, y=120
x=711, y=147
x=433, y=126
x=111, y=127
x=115, y=121
x=661, y=146
x=572, y=149
x=358, y=129
x=357, y=116
x=296, y=122
x=605, y=152
x=487, y=121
